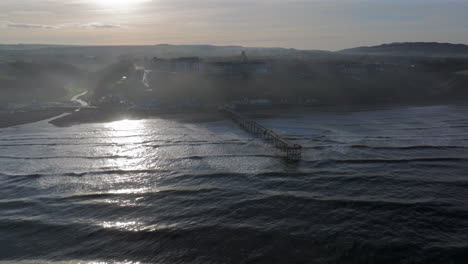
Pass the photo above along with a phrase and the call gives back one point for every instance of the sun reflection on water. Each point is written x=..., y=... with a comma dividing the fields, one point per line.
x=126, y=136
x=136, y=175
x=135, y=226
x=67, y=262
x=130, y=226
x=125, y=124
x=128, y=170
x=130, y=191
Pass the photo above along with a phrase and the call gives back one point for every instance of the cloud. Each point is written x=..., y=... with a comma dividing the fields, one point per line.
x=93, y=25
x=30, y=26
x=306, y=24
x=100, y=25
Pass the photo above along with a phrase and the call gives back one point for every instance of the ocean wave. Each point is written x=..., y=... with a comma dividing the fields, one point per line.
x=271, y=197
x=95, y=144
x=68, y=157
x=148, y=194
x=200, y=157
x=87, y=173
x=184, y=242
x=70, y=138
x=402, y=160
x=414, y=147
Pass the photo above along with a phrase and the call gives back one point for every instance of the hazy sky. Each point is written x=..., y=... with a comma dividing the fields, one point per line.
x=304, y=24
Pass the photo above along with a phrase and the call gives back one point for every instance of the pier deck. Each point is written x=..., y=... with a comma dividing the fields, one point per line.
x=292, y=151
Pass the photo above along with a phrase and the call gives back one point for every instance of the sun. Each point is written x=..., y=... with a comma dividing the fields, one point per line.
x=118, y=3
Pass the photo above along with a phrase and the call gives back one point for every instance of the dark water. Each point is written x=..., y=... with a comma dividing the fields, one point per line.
x=375, y=186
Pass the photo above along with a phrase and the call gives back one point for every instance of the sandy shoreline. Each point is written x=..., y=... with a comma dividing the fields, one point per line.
x=101, y=115
x=95, y=115
x=10, y=119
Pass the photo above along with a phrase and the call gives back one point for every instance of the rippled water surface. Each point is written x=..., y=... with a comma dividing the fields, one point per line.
x=374, y=186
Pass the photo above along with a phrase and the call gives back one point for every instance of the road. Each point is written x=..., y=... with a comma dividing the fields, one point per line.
x=77, y=99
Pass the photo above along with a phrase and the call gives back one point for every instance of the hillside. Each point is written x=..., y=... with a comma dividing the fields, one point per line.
x=22, y=47
x=160, y=50
x=27, y=82
x=429, y=49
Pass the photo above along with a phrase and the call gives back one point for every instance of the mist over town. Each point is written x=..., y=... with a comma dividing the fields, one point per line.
x=222, y=131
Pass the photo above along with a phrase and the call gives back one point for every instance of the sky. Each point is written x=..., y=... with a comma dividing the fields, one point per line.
x=301, y=24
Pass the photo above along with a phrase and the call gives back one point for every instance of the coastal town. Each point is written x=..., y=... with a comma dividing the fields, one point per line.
x=172, y=79
x=234, y=132
x=154, y=83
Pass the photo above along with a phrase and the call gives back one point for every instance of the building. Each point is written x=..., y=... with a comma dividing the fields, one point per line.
x=187, y=64
x=241, y=66
x=184, y=64
x=160, y=65
x=238, y=67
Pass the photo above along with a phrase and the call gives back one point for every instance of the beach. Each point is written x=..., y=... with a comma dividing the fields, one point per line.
x=101, y=115
x=15, y=118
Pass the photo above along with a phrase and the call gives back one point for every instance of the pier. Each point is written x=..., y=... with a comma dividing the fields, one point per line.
x=292, y=151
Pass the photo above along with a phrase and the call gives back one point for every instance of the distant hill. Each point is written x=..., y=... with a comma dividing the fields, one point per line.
x=26, y=46
x=430, y=49
x=159, y=50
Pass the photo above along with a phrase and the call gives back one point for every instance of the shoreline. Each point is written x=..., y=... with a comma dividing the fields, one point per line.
x=105, y=115
x=17, y=118
x=99, y=115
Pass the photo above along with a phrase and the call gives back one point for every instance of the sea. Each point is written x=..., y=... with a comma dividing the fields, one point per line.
x=374, y=185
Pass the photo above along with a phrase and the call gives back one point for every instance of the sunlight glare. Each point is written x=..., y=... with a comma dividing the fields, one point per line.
x=118, y=4
x=127, y=137
x=126, y=125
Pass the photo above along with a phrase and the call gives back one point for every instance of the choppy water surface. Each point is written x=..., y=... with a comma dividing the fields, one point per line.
x=374, y=186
